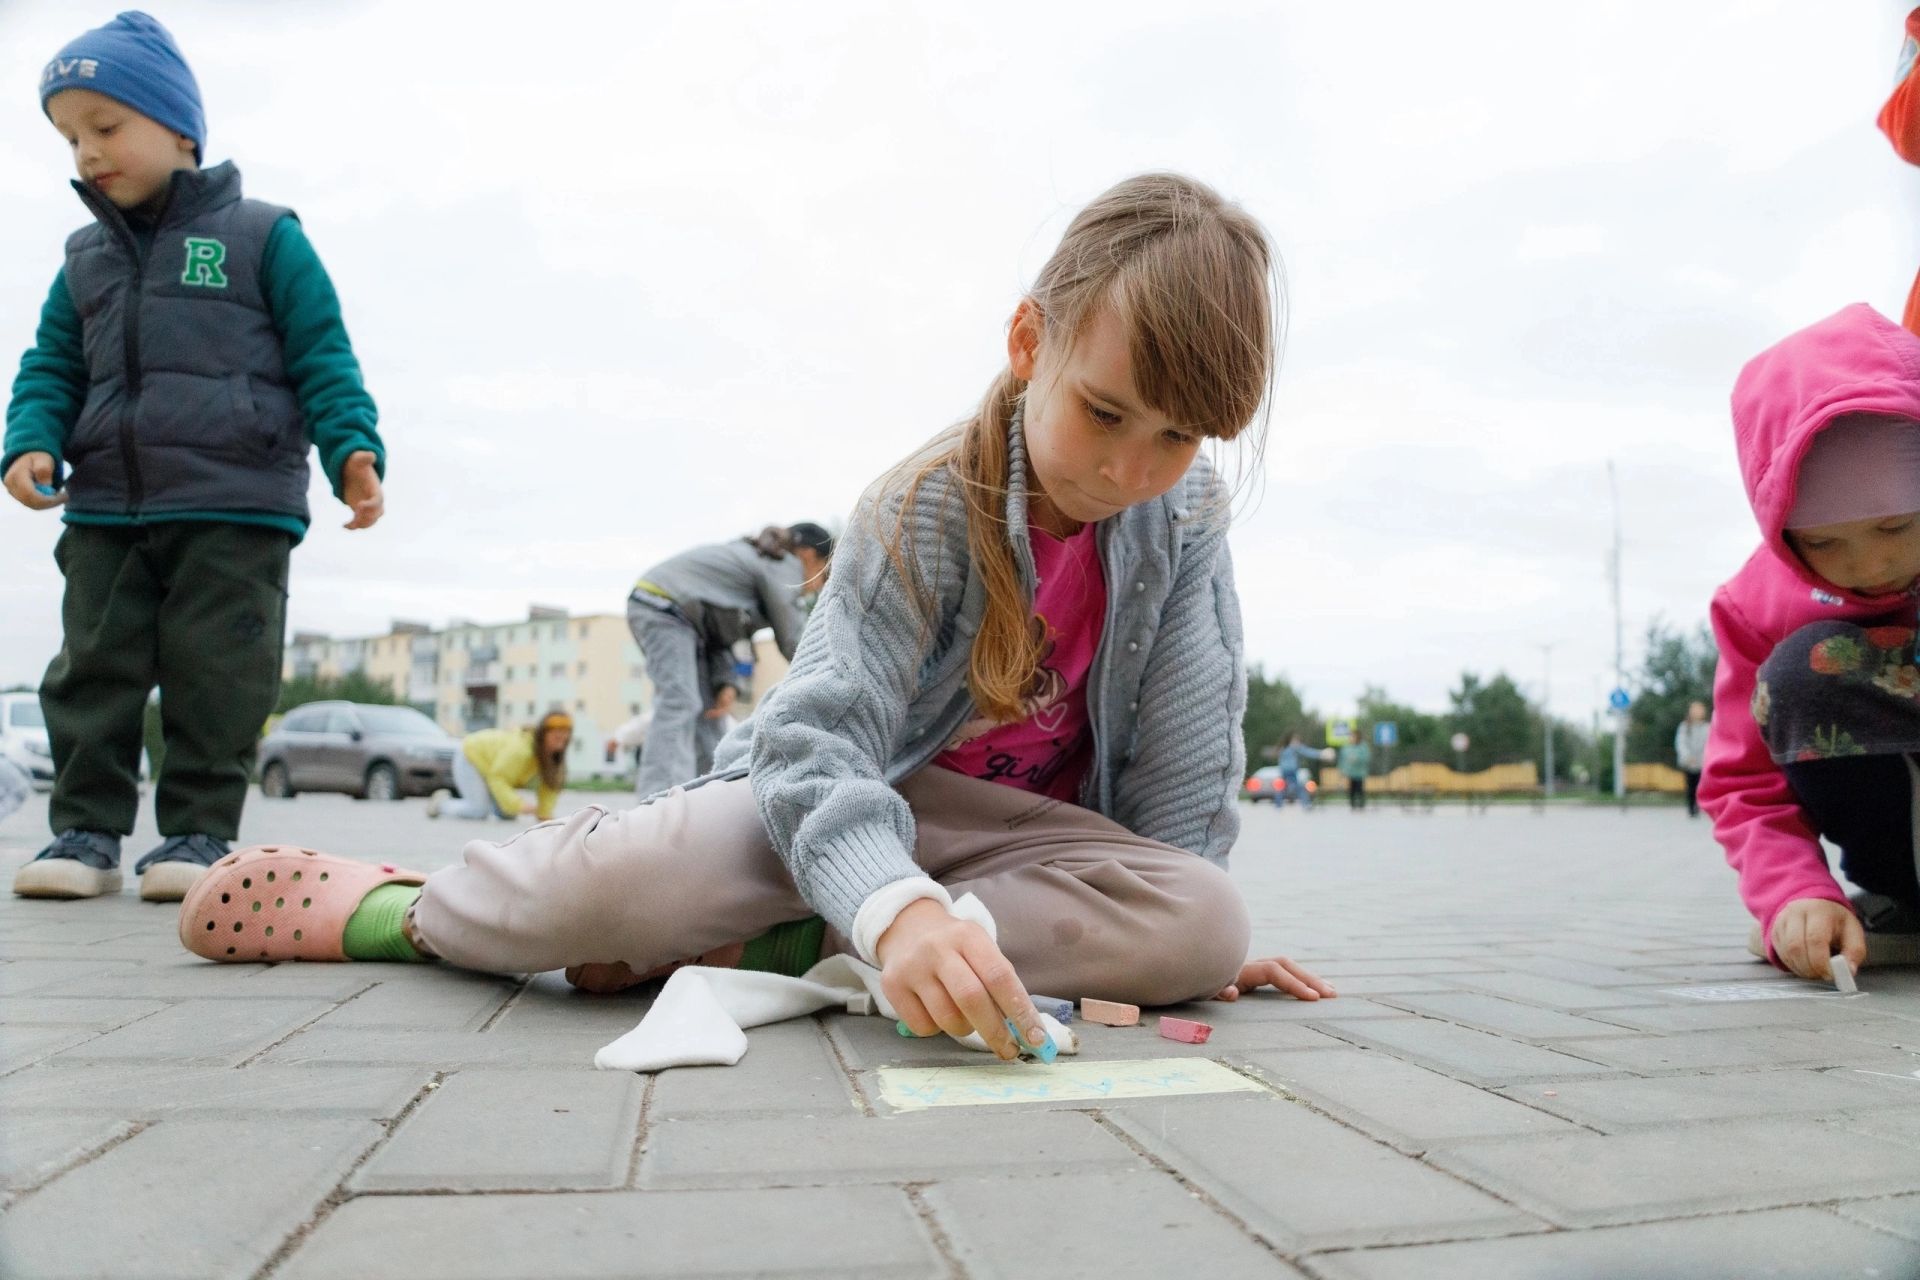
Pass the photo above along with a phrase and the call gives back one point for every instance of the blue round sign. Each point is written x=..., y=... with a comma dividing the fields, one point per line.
x=1619, y=700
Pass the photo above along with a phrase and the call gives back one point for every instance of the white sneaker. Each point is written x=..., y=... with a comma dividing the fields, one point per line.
x=437, y=799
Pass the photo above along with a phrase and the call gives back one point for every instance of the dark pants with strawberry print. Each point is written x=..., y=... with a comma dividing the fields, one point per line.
x=1840, y=707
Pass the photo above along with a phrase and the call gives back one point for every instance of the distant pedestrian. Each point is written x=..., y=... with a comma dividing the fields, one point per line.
x=689, y=613
x=1296, y=769
x=1690, y=751
x=492, y=766
x=1356, y=761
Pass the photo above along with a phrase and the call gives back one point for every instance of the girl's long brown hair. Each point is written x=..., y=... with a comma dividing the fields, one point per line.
x=1195, y=281
x=553, y=765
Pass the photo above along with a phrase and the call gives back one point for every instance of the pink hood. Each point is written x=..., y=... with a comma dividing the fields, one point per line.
x=1855, y=361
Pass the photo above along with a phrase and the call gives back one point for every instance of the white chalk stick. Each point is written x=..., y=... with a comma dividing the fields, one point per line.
x=1843, y=975
x=861, y=1004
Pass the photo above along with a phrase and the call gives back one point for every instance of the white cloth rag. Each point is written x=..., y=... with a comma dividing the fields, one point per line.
x=701, y=1016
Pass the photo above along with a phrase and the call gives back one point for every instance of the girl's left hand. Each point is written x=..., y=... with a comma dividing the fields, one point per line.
x=1277, y=972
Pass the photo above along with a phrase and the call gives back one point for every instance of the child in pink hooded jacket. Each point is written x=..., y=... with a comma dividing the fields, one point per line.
x=1817, y=691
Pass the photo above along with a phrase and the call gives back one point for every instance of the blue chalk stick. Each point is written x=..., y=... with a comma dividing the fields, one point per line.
x=1062, y=1010
x=45, y=490
x=1046, y=1051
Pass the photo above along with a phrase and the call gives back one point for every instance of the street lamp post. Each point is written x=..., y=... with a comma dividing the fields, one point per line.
x=1546, y=707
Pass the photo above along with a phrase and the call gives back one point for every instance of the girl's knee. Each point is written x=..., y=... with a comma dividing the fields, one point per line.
x=1205, y=940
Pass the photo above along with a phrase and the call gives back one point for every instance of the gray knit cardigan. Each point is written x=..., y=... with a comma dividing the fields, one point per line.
x=877, y=688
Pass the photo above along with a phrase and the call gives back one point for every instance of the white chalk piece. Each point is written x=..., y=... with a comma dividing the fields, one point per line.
x=861, y=1004
x=1842, y=975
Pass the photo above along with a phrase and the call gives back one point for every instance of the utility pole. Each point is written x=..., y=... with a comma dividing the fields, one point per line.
x=1546, y=706
x=1619, y=646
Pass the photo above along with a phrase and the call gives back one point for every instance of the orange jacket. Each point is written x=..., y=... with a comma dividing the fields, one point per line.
x=1900, y=121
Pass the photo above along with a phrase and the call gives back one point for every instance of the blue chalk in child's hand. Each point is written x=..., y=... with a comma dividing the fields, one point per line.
x=1062, y=1010
x=905, y=1030
x=45, y=490
x=1046, y=1050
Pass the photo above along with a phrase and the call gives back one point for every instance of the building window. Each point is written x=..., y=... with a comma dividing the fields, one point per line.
x=582, y=670
x=580, y=704
x=637, y=671
x=633, y=708
x=559, y=671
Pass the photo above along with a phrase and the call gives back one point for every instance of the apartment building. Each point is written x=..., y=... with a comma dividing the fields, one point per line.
x=470, y=675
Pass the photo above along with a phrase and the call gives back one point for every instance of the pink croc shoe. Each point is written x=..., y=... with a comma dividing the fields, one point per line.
x=279, y=902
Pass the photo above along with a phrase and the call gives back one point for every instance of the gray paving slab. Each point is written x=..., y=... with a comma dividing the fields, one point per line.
x=1502, y=1016
x=420, y=997
x=151, y=1090
x=1588, y=1179
x=19, y=976
x=1787, y=1244
x=1633, y=1103
x=1708, y=1050
x=1142, y=1224
x=1720, y=1015
x=193, y=1199
x=53, y=1011
x=37, y=1146
x=556, y=1130
x=348, y=1046
x=865, y=1233
x=23, y=1046
x=224, y=1031
x=1472, y=1055
x=789, y=1069
x=813, y=1151
x=1555, y=993
x=1303, y=1181
x=1898, y=1215
x=550, y=1005
x=1399, y=1103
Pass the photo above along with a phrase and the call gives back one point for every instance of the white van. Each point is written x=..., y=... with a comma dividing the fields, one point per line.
x=23, y=738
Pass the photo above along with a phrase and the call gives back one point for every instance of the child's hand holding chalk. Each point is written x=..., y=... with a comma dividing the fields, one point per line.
x=30, y=481
x=942, y=973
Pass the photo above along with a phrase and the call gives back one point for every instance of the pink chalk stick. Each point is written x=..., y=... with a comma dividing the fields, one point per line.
x=1185, y=1032
x=1109, y=1013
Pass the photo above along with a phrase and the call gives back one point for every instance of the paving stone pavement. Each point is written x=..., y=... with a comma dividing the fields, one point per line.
x=1520, y=1079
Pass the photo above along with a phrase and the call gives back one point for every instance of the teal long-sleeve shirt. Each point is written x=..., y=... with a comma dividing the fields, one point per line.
x=51, y=386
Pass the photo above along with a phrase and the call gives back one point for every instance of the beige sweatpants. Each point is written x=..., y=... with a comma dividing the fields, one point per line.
x=1084, y=907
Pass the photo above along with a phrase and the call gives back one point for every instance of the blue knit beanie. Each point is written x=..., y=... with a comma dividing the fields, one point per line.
x=133, y=60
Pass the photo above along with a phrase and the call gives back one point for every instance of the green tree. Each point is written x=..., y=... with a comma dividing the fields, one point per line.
x=355, y=686
x=1274, y=710
x=1422, y=736
x=1500, y=725
x=1677, y=670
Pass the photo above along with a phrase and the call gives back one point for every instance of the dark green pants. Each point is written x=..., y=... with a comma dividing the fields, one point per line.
x=197, y=609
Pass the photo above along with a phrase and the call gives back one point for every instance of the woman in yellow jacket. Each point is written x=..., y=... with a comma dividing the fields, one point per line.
x=493, y=764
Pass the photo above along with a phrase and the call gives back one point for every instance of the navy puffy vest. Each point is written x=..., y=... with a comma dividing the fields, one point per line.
x=188, y=406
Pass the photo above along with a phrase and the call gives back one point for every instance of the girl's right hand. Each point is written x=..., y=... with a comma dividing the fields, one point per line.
x=1806, y=932
x=27, y=471
x=945, y=974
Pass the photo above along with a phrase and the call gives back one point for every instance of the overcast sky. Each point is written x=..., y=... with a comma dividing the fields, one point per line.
x=629, y=277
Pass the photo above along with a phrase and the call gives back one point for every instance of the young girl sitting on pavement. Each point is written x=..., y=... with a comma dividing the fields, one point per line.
x=1817, y=697
x=1023, y=682
x=493, y=764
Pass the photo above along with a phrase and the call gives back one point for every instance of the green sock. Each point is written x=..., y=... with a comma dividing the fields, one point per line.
x=791, y=948
x=377, y=929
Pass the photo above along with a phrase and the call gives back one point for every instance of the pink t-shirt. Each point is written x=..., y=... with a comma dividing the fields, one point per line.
x=1048, y=752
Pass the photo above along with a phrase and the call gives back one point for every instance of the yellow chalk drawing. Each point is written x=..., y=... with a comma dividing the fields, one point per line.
x=917, y=1088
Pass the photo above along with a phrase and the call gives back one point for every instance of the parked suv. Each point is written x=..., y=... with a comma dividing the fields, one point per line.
x=23, y=737
x=373, y=752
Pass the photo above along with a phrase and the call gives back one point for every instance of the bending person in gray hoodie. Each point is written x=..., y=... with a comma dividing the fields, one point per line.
x=689, y=613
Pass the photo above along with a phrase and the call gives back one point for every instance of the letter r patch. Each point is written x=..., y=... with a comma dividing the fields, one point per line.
x=203, y=263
